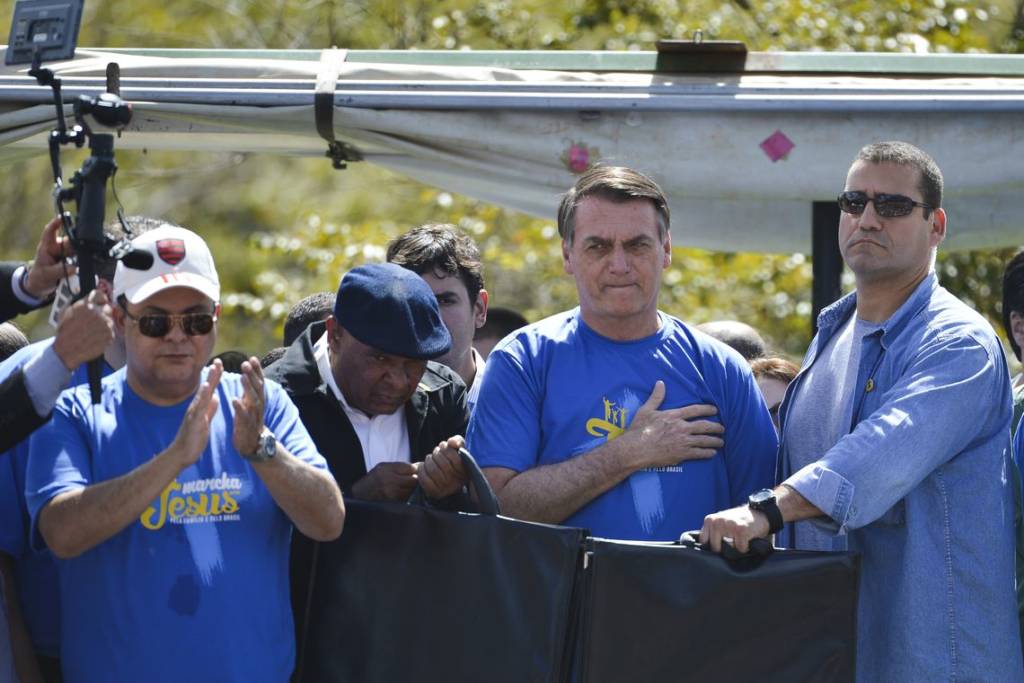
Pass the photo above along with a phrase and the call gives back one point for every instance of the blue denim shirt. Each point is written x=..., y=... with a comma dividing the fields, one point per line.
x=920, y=486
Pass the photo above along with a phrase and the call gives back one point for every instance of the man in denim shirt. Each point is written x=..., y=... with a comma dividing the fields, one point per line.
x=896, y=444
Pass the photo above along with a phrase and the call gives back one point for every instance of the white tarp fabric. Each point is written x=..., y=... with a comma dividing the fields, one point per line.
x=741, y=156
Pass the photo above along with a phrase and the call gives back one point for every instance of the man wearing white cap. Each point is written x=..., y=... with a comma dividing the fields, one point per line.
x=171, y=502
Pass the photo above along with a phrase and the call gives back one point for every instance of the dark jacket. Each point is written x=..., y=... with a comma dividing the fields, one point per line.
x=10, y=305
x=436, y=411
x=18, y=417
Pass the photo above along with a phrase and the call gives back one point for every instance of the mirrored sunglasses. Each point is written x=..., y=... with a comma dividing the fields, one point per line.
x=886, y=205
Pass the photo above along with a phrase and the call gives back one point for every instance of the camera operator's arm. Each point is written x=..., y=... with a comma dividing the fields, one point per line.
x=85, y=329
x=28, y=395
x=18, y=419
x=27, y=287
x=48, y=267
x=11, y=304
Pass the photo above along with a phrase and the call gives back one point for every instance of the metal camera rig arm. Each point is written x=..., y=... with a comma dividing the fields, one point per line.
x=48, y=29
x=88, y=188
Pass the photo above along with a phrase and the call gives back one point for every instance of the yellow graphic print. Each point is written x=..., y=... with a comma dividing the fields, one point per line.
x=613, y=424
x=201, y=500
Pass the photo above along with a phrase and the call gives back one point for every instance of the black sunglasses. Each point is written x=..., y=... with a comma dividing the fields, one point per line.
x=886, y=205
x=160, y=324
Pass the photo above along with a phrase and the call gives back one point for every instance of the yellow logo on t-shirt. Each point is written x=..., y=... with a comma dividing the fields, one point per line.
x=200, y=500
x=613, y=423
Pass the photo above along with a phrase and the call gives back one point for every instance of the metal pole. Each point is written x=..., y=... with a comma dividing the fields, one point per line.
x=827, y=262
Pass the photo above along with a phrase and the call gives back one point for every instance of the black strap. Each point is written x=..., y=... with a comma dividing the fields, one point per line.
x=323, y=108
x=486, y=502
x=771, y=510
x=18, y=417
x=759, y=547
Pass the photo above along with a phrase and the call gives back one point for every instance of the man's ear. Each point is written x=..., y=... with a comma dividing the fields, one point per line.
x=938, y=227
x=566, y=261
x=119, y=319
x=480, y=309
x=334, y=331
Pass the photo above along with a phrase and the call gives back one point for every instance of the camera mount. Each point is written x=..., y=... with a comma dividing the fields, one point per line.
x=48, y=29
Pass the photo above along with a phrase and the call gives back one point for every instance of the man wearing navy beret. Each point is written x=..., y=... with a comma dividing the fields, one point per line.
x=380, y=410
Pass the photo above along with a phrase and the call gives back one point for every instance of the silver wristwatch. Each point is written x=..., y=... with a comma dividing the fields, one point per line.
x=266, y=447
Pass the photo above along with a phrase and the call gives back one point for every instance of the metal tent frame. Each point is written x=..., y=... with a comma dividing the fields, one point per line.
x=750, y=148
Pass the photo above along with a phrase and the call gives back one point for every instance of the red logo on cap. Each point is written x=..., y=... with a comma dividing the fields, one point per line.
x=171, y=252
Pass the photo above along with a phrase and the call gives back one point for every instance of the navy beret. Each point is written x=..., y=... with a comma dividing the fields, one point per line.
x=391, y=309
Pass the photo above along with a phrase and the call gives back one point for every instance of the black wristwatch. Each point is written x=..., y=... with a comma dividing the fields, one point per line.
x=764, y=501
x=266, y=447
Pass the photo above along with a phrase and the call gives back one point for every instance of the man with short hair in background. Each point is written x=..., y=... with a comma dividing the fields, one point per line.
x=11, y=339
x=310, y=309
x=745, y=339
x=615, y=416
x=449, y=261
x=896, y=443
x=171, y=503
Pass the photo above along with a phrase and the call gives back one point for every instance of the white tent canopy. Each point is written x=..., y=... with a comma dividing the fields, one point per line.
x=498, y=127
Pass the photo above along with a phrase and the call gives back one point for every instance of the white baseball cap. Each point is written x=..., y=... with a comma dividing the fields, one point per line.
x=180, y=259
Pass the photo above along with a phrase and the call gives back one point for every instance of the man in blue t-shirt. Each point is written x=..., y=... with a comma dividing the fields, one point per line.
x=171, y=502
x=615, y=416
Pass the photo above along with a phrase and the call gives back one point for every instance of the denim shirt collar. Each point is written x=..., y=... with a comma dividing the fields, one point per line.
x=832, y=317
x=831, y=320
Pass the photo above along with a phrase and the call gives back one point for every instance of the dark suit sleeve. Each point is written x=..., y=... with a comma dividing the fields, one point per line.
x=10, y=305
x=18, y=417
x=453, y=418
x=456, y=411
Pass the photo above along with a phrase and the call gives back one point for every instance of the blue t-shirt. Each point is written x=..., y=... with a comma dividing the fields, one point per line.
x=35, y=570
x=196, y=588
x=557, y=389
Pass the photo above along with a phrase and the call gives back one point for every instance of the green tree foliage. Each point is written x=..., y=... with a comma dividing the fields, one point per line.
x=285, y=227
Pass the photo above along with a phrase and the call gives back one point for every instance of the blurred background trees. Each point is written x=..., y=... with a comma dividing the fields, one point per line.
x=285, y=227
